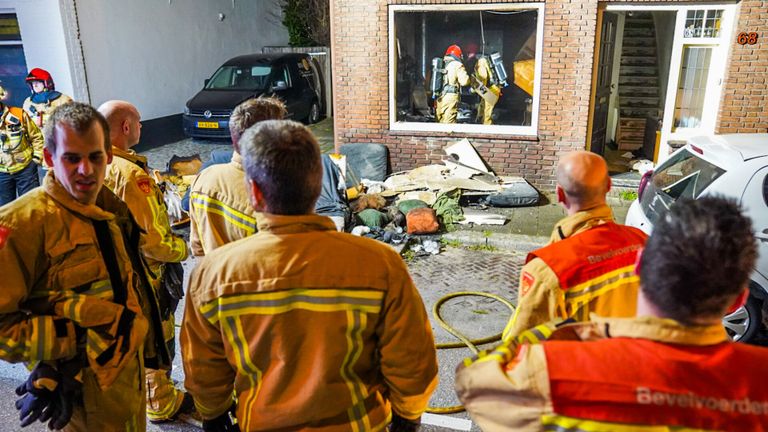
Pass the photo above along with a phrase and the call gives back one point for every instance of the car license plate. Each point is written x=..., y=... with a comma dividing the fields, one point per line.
x=208, y=125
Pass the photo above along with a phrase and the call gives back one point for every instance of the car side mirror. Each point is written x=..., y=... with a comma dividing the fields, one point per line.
x=279, y=85
x=205, y=83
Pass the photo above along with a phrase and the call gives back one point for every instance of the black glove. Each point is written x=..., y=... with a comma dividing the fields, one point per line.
x=47, y=395
x=401, y=424
x=226, y=422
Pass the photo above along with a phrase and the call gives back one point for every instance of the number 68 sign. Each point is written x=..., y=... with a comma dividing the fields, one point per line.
x=747, y=38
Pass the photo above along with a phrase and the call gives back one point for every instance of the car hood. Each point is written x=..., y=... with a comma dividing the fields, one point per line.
x=220, y=99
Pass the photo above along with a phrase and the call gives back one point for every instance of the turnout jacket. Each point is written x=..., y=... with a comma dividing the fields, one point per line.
x=220, y=207
x=40, y=111
x=55, y=279
x=128, y=178
x=313, y=329
x=587, y=267
x=21, y=141
x=618, y=375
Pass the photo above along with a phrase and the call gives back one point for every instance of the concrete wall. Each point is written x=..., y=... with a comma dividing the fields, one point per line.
x=42, y=34
x=156, y=53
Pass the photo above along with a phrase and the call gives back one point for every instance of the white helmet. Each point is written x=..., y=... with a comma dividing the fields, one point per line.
x=3, y=93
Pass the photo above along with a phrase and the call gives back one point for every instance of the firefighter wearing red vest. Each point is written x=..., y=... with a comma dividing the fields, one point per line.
x=44, y=96
x=672, y=367
x=588, y=265
x=21, y=151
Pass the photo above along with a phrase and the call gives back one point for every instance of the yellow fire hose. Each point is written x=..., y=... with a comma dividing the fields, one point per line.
x=465, y=341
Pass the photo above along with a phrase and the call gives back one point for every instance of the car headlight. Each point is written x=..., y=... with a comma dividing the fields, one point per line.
x=186, y=110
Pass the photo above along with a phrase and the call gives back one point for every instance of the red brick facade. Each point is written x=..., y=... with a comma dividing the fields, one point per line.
x=360, y=57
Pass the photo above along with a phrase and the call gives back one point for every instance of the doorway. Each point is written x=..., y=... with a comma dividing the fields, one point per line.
x=13, y=65
x=657, y=80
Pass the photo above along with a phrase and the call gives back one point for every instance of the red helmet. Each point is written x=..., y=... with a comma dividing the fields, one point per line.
x=38, y=74
x=454, y=50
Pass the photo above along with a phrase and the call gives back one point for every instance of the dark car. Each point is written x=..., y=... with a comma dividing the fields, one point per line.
x=291, y=77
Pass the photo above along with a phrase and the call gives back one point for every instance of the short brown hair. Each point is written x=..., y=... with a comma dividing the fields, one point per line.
x=79, y=117
x=253, y=111
x=283, y=158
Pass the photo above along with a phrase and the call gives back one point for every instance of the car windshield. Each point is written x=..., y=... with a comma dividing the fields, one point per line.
x=240, y=78
x=684, y=175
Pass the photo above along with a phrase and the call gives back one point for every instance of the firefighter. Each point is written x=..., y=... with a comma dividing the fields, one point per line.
x=44, y=97
x=455, y=76
x=128, y=177
x=21, y=151
x=588, y=265
x=484, y=79
x=304, y=342
x=220, y=206
x=71, y=288
x=672, y=367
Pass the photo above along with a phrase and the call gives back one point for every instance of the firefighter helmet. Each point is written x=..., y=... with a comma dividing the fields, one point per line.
x=38, y=74
x=454, y=50
x=3, y=94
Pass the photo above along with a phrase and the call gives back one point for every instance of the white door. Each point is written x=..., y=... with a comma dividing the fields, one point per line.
x=699, y=55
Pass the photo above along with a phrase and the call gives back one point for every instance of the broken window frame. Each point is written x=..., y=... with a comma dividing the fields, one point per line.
x=531, y=130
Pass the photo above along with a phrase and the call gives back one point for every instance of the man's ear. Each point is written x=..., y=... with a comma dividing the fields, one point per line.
x=740, y=301
x=125, y=126
x=48, y=157
x=561, y=198
x=257, y=197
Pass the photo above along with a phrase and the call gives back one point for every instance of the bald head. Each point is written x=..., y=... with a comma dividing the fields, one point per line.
x=582, y=179
x=124, y=123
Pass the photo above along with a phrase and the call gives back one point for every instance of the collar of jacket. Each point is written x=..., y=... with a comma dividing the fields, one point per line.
x=237, y=161
x=581, y=221
x=45, y=96
x=283, y=224
x=56, y=191
x=660, y=329
x=130, y=156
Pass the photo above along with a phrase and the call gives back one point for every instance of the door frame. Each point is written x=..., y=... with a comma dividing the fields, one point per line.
x=717, y=70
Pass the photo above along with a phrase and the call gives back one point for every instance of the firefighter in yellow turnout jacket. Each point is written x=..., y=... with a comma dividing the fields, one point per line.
x=589, y=263
x=44, y=98
x=72, y=284
x=313, y=329
x=484, y=76
x=219, y=202
x=128, y=178
x=21, y=151
x=454, y=78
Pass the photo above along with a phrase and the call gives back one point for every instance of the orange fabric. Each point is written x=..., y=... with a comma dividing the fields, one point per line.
x=422, y=221
x=667, y=384
x=591, y=253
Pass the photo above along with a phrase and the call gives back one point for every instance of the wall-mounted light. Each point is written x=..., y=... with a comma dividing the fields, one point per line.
x=222, y=16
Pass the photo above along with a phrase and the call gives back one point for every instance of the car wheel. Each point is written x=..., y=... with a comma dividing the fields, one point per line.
x=314, y=113
x=743, y=324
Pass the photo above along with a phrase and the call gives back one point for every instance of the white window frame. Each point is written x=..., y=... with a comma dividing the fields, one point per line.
x=531, y=130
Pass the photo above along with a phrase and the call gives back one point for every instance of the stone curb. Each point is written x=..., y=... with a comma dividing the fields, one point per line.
x=503, y=241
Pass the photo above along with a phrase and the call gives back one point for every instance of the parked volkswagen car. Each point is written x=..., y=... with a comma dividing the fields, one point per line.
x=732, y=165
x=291, y=77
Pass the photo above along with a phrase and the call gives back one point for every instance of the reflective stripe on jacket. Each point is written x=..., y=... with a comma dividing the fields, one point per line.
x=21, y=141
x=312, y=328
x=619, y=374
x=588, y=267
x=220, y=207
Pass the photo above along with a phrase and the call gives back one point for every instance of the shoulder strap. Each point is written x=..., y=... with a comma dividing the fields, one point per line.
x=107, y=247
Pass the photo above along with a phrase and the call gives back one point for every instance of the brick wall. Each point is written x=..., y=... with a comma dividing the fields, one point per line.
x=360, y=42
x=744, y=107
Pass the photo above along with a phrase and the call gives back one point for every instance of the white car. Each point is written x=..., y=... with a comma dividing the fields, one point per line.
x=732, y=165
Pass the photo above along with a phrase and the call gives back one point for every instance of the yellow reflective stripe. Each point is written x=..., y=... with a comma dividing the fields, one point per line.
x=233, y=330
x=357, y=413
x=235, y=217
x=9, y=347
x=101, y=289
x=601, y=284
x=164, y=230
x=558, y=423
x=95, y=344
x=272, y=303
x=40, y=346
